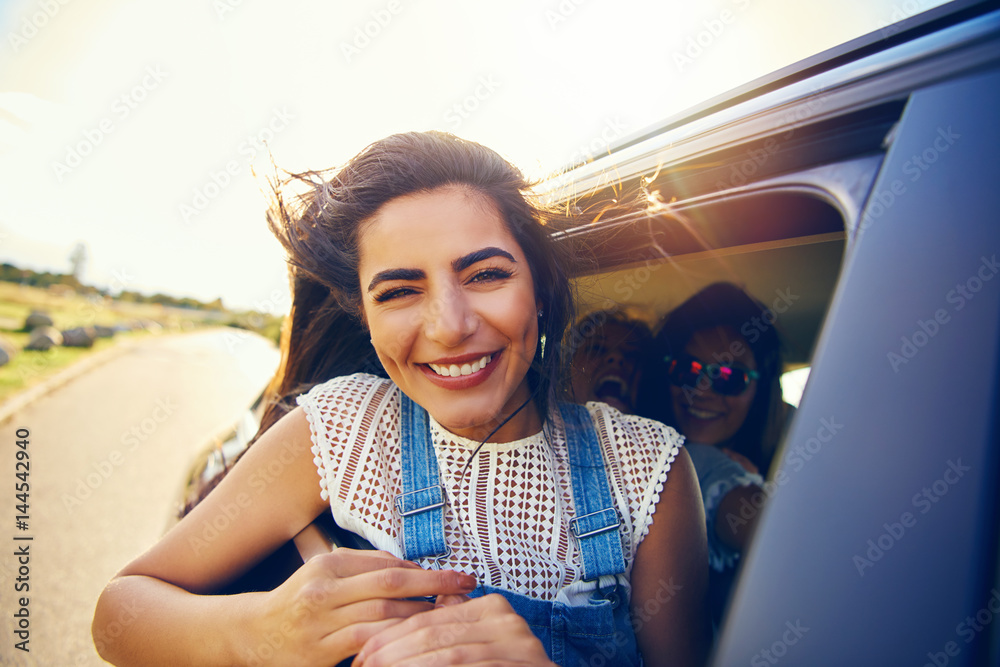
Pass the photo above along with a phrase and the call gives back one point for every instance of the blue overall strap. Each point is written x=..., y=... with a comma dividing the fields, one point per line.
x=421, y=504
x=596, y=524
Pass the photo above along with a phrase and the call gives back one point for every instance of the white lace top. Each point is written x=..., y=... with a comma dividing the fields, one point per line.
x=507, y=520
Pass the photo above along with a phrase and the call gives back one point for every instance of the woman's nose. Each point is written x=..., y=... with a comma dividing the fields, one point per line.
x=613, y=356
x=448, y=319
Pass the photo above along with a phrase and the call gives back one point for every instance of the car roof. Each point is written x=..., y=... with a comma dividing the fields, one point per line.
x=794, y=214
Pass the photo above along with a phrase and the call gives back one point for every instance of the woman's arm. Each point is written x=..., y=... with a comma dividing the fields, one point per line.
x=159, y=609
x=670, y=575
x=733, y=524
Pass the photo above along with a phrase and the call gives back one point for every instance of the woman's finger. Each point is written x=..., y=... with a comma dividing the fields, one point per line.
x=334, y=580
x=446, y=600
x=484, y=629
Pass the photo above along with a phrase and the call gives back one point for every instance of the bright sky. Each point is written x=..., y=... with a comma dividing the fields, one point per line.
x=132, y=125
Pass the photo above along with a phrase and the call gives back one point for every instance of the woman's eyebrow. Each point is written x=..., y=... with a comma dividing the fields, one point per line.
x=460, y=264
x=396, y=274
x=466, y=261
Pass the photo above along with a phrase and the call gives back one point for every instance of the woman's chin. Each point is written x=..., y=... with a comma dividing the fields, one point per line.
x=463, y=420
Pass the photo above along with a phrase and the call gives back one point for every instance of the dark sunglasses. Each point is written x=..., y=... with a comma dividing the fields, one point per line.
x=725, y=379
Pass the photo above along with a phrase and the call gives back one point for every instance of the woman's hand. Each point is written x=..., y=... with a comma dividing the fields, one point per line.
x=333, y=604
x=482, y=630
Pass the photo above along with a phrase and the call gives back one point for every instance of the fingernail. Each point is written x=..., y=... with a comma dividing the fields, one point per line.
x=466, y=581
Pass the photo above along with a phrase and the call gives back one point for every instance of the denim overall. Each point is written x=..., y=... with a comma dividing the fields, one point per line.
x=595, y=634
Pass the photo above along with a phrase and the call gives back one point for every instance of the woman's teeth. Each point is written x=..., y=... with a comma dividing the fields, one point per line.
x=455, y=370
x=702, y=414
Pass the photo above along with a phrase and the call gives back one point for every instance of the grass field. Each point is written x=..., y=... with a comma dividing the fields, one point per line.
x=67, y=311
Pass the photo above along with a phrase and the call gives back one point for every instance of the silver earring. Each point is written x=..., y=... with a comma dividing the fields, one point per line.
x=540, y=312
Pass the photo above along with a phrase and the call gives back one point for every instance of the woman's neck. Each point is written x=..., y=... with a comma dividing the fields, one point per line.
x=520, y=420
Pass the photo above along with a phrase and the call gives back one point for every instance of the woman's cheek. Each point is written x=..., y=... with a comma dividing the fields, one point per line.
x=389, y=337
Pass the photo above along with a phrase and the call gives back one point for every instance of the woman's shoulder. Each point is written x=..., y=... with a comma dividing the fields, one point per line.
x=347, y=396
x=644, y=448
x=711, y=461
x=634, y=429
x=358, y=384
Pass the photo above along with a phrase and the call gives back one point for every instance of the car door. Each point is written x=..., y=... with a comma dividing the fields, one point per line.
x=879, y=546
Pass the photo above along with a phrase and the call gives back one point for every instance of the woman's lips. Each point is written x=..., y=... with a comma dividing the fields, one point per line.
x=462, y=373
x=456, y=370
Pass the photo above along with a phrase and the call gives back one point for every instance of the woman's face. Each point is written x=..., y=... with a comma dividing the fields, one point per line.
x=702, y=415
x=605, y=369
x=449, y=300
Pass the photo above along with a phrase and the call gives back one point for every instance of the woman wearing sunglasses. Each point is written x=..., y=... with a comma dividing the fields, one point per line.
x=714, y=375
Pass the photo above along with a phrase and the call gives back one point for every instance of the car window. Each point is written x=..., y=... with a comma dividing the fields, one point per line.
x=851, y=199
x=793, y=383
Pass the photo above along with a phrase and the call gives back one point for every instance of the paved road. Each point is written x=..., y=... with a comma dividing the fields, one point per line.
x=108, y=453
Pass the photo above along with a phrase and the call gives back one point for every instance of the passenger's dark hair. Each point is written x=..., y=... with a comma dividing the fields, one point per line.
x=320, y=228
x=581, y=334
x=724, y=305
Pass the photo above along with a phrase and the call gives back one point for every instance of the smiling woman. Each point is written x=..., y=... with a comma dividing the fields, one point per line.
x=530, y=521
x=467, y=301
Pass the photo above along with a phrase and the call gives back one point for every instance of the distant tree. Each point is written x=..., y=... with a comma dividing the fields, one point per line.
x=78, y=261
x=129, y=295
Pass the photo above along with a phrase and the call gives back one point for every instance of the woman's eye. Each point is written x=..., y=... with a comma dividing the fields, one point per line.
x=393, y=293
x=489, y=275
